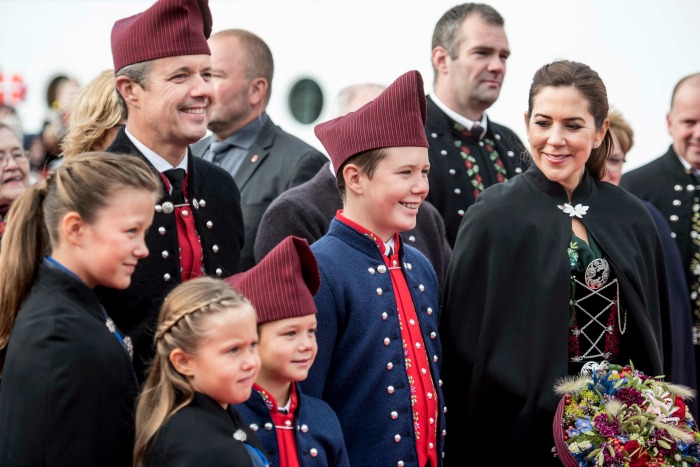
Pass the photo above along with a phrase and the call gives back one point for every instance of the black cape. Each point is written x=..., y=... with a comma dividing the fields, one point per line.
x=505, y=310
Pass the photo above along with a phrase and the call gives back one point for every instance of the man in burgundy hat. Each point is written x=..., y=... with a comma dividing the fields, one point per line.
x=281, y=289
x=379, y=355
x=164, y=81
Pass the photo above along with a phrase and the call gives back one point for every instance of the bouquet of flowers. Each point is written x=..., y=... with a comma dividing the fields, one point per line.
x=618, y=416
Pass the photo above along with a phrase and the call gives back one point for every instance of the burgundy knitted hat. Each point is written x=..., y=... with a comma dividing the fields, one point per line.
x=283, y=283
x=167, y=29
x=396, y=118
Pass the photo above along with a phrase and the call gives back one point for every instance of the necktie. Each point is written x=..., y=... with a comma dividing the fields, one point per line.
x=476, y=131
x=218, y=149
x=177, y=179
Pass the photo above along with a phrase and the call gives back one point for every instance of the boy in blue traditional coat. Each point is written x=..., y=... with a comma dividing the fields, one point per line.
x=379, y=355
x=297, y=430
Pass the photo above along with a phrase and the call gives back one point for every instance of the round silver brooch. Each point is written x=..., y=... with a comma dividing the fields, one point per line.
x=597, y=273
x=168, y=207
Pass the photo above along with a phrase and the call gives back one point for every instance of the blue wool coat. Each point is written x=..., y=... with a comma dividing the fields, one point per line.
x=360, y=369
x=318, y=434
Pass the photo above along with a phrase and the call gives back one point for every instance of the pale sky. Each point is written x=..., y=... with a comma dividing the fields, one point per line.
x=640, y=48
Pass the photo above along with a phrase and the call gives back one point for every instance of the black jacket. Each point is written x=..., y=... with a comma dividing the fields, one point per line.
x=219, y=222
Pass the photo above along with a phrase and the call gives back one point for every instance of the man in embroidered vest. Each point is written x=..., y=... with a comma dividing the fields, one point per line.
x=468, y=152
x=164, y=81
x=672, y=184
x=379, y=354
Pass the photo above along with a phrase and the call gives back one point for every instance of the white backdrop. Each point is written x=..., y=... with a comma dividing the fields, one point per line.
x=641, y=48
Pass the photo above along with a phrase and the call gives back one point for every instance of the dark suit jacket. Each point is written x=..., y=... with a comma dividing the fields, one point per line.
x=68, y=387
x=217, y=216
x=275, y=162
x=307, y=210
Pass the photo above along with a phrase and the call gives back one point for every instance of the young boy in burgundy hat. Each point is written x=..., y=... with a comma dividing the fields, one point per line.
x=379, y=356
x=297, y=430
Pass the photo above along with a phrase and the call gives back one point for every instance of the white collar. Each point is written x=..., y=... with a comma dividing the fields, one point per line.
x=158, y=162
x=464, y=121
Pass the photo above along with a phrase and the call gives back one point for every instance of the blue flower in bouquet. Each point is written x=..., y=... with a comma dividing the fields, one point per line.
x=617, y=416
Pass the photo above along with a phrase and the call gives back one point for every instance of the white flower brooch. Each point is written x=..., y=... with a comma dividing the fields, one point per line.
x=579, y=210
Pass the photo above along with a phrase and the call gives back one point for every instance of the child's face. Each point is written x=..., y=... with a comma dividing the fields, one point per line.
x=287, y=350
x=389, y=201
x=112, y=245
x=227, y=360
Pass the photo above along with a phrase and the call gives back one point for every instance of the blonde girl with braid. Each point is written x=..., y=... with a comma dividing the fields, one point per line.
x=206, y=359
x=68, y=385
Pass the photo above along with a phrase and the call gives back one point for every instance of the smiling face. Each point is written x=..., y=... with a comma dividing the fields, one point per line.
x=684, y=122
x=388, y=202
x=173, y=110
x=111, y=246
x=14, y=172
x=226, y=362
x=562, y=133
x=287, y=350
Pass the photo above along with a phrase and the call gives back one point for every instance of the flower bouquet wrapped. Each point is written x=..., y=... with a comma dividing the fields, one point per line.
x=618, y=416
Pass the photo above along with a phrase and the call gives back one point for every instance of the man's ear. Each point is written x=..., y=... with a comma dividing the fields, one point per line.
x=440, y=59
x=72, y=228
x=127, y=89
x=182, y=362
x=353, y=177
x=258, y=92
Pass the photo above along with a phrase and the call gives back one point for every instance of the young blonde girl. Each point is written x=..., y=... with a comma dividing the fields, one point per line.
x=68, y=385
x=206, y=359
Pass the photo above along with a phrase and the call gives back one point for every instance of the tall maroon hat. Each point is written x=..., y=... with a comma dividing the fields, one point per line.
x=396, y=118
x=283, y=284
x=167, y=29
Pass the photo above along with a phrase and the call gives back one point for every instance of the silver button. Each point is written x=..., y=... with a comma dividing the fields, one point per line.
x=166, y=277
x=185, y=213
x=421, y=287
x=498, y=137
x=382, y=269
x=254, y=427
x=452, y=171
x=417, y=345
x=676, y=202
x=461, y=212
x=195, y=204
x=202, y=203
x=394, y=415
x=268, y=426
x=161, y=230
x=168, y=207
x=389, y=366
x=399, y=464
x=690, y=187
x=219, y=271
x=210, y=224
x=458, y=191
x=165, y=254
x=481, y=143
x=215, y=248
x=304, y=428
x=518, y=170
x=510, y=153
x=313, y=452
x=433, y=335
x=397, y=438
x=435, y=358
x=411, y=322
x=387, y=341
x=677, y=187
x=429, y=311
x=411, y=238
x=443, y=152
x=390, y=389
x=673, y=218
x=384, y=315
x=379, y=291
x=408, y=266
x=371, y=270
x=433, y=135
x=159, y=208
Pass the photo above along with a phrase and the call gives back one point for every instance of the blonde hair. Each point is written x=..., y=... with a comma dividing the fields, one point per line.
x=93, y=113
x=85, y=184
x=622, y=129
x=182, y=325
